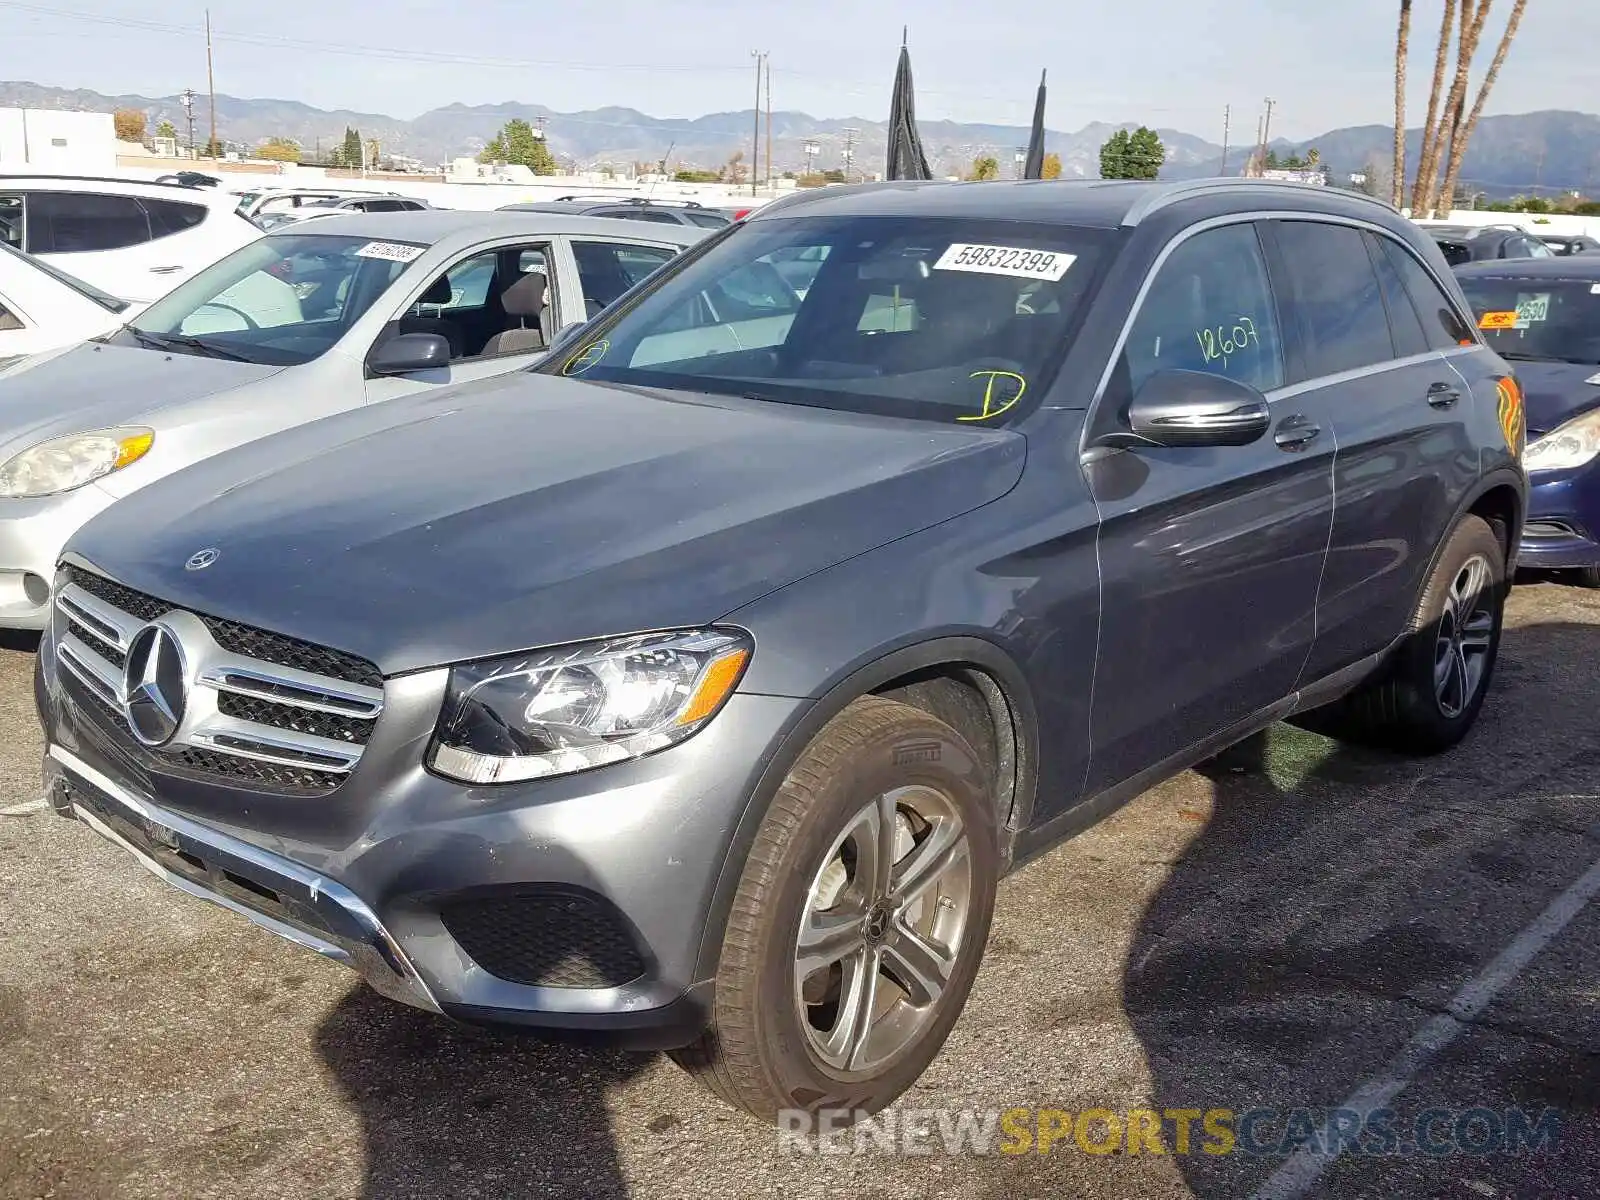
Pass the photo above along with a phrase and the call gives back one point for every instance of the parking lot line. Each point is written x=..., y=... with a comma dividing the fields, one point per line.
x=1301, y=1169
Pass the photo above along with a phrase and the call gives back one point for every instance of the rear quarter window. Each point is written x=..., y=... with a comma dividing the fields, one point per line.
x=170, y=216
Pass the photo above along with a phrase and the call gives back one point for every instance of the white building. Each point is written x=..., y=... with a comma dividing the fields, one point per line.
x=62, y=143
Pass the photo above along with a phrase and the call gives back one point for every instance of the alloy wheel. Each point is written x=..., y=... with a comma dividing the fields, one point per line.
x=883, y=922
x=1466, y=632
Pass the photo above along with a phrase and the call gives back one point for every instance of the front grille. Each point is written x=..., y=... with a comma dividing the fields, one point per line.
x=354, y=730
x=240, y=639
x=250, y=722
x=547, y=938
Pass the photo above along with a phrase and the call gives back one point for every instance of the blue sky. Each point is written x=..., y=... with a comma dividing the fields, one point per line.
x=1166, y=62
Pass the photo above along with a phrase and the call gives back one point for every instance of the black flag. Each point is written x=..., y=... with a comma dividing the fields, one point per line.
x=906, y=157
x=1033, y=168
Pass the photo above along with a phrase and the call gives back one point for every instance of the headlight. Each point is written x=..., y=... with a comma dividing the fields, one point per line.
x=1566, y=446
x=554, y=712
x=64, y=463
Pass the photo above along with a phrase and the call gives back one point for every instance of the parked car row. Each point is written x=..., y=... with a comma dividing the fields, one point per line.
x=132, y=240
x=299, y=324
x=695, y=687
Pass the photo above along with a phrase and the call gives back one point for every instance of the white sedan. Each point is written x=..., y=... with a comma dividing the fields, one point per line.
x=43, y=308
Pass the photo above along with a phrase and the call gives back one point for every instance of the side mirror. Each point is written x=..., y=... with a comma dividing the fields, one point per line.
x=1194, y=408
x=408, y=352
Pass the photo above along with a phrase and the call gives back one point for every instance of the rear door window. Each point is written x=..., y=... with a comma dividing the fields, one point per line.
x=1334, y=297
x=1442, y=323
x=607, y=269
x=1404, y=324
x=78, y=222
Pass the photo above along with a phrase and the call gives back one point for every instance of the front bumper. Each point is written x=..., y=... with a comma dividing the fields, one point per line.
x=370, y=874
x=32, y=534
x=1563, y=513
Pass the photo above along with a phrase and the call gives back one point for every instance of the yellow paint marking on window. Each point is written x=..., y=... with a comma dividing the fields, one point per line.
x=990, y=407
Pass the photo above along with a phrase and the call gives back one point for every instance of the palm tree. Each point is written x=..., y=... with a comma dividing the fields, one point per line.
x=1451, y=123
x=1402, y=47
x=1428, y=160
x=1458, y=143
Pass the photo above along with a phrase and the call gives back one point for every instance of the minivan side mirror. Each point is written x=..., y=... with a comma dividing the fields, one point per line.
x=1193, y=408
x=408, y=352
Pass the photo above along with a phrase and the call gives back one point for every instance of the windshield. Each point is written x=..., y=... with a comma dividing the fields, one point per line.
x=1555, y=320
x=281, y=300
x=104, y=300
x=940, y=318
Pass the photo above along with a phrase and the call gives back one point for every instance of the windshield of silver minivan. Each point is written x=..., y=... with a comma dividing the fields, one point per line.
x=948, y=319
x=281, y=300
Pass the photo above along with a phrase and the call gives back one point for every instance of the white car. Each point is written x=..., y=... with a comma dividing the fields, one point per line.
x=314, y=319
x=132, y=239
x=43, y=308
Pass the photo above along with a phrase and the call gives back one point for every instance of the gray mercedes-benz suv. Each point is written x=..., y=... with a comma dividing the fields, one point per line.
x=697, y=688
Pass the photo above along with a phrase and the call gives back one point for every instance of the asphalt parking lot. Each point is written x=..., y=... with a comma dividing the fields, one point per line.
x=1296, y=926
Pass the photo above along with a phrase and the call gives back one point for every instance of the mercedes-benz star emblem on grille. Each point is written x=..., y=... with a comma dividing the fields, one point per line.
x=154, y=689
x=201, y=559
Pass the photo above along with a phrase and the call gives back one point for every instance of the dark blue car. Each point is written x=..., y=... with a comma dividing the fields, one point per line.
x=1543, y=315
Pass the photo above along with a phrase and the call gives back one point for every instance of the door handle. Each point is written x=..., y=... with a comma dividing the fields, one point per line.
x=1442, y=395
x=166, y=270
x=1296, y=432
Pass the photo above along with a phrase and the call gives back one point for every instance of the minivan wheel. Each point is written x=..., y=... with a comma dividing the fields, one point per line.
x=1428, y=698
x=859, y=921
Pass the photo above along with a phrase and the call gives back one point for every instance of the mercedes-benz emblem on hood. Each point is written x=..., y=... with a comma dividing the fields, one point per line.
x=201, y=559
x=155, y=691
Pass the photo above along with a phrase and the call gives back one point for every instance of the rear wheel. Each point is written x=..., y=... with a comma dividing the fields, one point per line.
x=1429, y=696
x=859, y=921
x=1588, y=577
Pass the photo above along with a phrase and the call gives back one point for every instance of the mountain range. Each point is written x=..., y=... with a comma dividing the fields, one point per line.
x=1520, y=153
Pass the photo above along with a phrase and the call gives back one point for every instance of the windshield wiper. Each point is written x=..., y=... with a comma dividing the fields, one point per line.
x=166, y=341
x=1516, y=356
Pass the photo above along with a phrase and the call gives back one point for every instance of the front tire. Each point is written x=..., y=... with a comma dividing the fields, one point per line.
x=1430, y=694
x=859, y=922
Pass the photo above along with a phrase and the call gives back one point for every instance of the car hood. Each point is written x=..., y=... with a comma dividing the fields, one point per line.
x=94, y=385
x=1556, y=392
x=531, y=510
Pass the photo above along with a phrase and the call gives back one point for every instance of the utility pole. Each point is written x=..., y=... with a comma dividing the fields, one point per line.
x=187, y=100
x=1227, y=117
x=849, y=152
x=755, y=138
x=1266, y=132
x=769, y=123
x=211, y=85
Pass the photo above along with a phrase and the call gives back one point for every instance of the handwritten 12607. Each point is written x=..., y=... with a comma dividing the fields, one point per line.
x=1223, y=342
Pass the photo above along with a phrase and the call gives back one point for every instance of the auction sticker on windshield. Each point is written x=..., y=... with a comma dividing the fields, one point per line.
x=1532, y=308
x=1005, y=260
x=391, y=251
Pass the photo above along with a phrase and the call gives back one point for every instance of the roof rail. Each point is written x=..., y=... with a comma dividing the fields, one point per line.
x=183, y=187
x=1156, y=199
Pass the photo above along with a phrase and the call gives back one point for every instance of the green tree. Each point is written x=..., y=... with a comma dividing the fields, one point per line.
x=213, y=148
x=351, y=153
x=985, y=167
x=166, y=130
x=833, y=175
x=1052, y=166
x=695, y=175
x=1136, y=154
x=279, y=149
x=517, y=144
